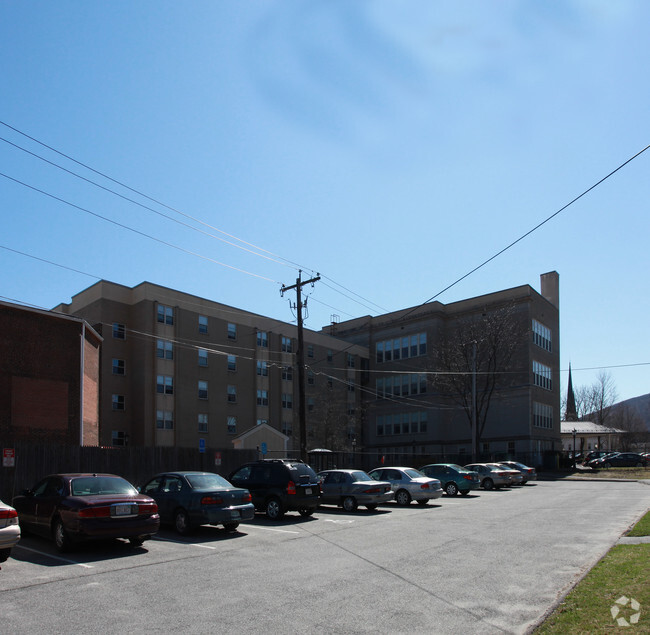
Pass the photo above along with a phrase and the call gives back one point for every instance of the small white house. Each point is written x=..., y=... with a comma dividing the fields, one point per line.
x=588, y=436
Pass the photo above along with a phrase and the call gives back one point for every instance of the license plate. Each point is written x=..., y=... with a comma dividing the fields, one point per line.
x=308, y=491
x=235, y=515
x=122, y=510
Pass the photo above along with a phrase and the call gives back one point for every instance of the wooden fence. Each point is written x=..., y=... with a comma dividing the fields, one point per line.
x=136, y=464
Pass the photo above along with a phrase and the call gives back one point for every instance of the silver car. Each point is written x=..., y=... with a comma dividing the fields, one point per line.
x=491, y=477
x=517, y=478
x=409, y=484
x=9, y=530
x=528, y=473
x=351, y=488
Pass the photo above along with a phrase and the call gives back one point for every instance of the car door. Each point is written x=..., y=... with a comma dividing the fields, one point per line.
x=152, y=488
x=47, y=500
x=169, y=495
x=331, y=487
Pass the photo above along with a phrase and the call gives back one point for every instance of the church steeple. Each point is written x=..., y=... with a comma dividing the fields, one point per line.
x=570, y=414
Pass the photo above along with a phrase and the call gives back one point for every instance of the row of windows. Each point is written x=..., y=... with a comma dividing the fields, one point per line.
x=401, y=385
x=404, y=423
x=402, y=348
x=542, y=376
x=165, y=421
x=542, y=415
x=542, y=336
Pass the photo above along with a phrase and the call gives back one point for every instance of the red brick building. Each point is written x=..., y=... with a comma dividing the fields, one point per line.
x=49, y=377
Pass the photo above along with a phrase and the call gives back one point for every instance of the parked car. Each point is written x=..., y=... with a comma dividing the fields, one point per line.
x=76, y=507
x=528, y=473
x=279, y=485
x=491, y=477
x=351, y=488
x=516, y=477
x=622, y=459
x=409, y=484
x=598, y=461
x=593, y=455
x=453, y=478
x=9, y=530
x=190, y=499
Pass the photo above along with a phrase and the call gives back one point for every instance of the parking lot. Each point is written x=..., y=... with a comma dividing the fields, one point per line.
x=491, y=562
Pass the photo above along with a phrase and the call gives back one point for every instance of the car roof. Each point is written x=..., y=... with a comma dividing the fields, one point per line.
x=68, y=475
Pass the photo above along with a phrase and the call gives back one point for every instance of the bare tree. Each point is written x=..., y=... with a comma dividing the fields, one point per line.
x=481, y=349
x=597, y=400
x=635, y=432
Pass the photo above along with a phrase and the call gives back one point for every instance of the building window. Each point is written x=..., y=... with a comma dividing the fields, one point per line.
x=203, y=423
x=203, y=389
x=401, y=385
x=232, y=394
x=286, y=345
x=287, y=373
x=402, y=423
x=542, y=415
x=259, y=422
x=511, y=447
x=350, y=361
x=262, y=397
x=203, y=357
x=118, y=402
x=165, y=314
x=330, y=382
x=330, y=356
x=164, y=349
x=164, y=420
x=232, y=331
x=542, y=376
x=165, y=384
x=262, y=369
x=310, y=350
x=118, y=366
x=119, y=437
x=231, y=422
x=286, y=428
x=287, y=400
x=401, y=348
x=542, y=336
x=350, y=385
x=203, y=323
x=310, y=405
x=310, y=377
x=262, y=339
x=119, y=331
x=232, y=362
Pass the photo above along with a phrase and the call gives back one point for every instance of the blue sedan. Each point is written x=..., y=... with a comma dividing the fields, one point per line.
x=189, y=499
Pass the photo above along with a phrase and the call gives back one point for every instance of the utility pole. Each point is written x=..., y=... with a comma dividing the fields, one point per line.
x=300, y=357
x=474, y=421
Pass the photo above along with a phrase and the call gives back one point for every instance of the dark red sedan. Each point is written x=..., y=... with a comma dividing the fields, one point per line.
x=77, y=507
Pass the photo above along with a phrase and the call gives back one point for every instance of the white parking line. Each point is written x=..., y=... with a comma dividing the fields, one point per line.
x=48, y=555
x=282, y=531
x=181, y=542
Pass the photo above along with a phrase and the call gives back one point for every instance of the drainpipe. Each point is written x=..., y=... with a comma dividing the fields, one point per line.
x=81, y=385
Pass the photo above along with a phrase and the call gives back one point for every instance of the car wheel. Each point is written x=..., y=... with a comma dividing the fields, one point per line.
x=230, y=526
x=607, y=465
x=451, y=489
x=488, y=484
x=61, y=539
x=349, y=504
x=403, y=497
x=423, y=502
x=274, y=509
x=464, y=492
x=639, y=464
x=524, y=482
x=371, y=507
x=306, y=511
x=136, y=542
x=4, y=554
x=182, y=522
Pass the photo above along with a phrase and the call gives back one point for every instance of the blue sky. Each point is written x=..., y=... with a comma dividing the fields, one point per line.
x=390, y=146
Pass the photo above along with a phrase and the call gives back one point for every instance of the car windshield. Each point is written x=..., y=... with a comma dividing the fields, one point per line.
x=453, y=466
x=303, y=472
x=360, y=476
x=413, y=473
x=90, y=485
x=207, y=481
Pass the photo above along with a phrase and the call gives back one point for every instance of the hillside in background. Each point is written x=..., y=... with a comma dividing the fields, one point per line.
x=639, y=406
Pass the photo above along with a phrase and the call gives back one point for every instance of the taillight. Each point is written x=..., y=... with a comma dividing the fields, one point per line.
x=212, y=500
x=373, y=490
x=291, y=487
x=247, y=498
x=5, y=514
x=95, y=512
x=147, y=508
x=467, y=477
x=424, y=486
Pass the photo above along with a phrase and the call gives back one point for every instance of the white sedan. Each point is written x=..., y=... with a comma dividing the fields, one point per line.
x=9, y=530
x=409, y=484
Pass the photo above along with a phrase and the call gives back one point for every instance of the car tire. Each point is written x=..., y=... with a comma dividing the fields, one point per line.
x=607, y=465
x=488, y=484
x=424, y=501
x=451, y=489
x=639, y=464
x=305, y=512
x=4, y=554
x=182, y=522
x=349, y=503
x=402, y=497
x=464, y=492
x=274, y=510
x=371, y=507
x=136, y=542
x=230, y=526
x=61, y=538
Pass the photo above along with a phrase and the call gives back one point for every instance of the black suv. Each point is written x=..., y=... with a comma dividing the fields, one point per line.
x=279, y=485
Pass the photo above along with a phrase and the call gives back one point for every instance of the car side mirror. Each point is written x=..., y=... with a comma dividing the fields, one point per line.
x=27, y=492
